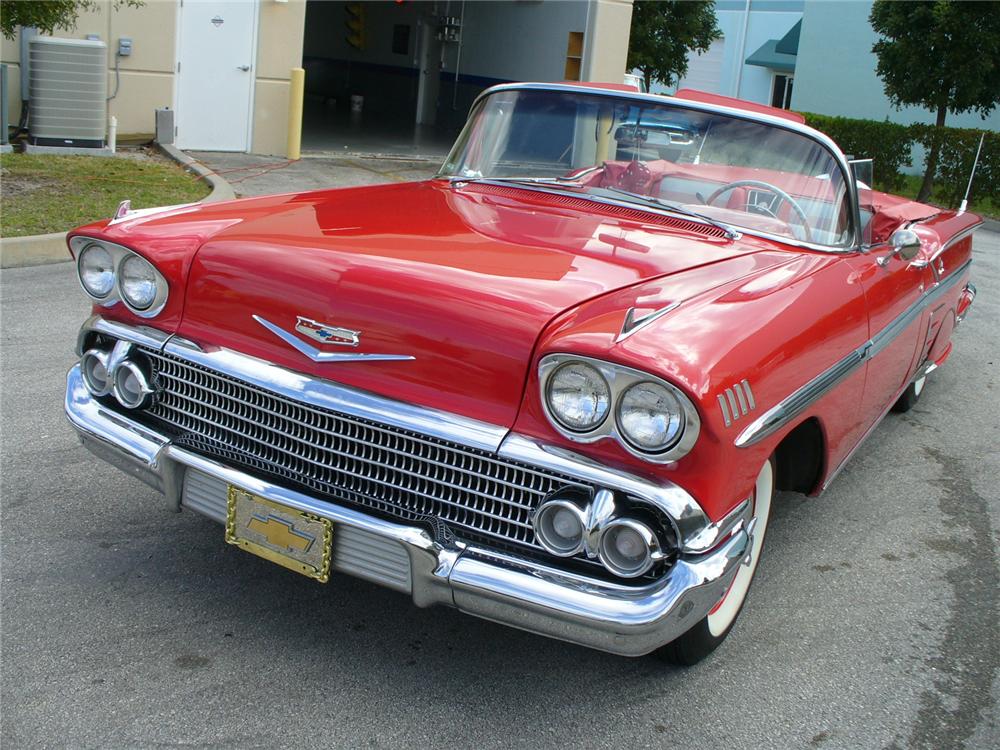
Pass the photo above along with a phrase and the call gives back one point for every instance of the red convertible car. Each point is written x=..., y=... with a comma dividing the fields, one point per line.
x=556, y=386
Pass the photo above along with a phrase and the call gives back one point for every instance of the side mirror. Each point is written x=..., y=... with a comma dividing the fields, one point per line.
x=905, y=243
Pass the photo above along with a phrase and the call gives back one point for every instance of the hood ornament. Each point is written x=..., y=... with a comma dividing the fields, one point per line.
x=328, y=335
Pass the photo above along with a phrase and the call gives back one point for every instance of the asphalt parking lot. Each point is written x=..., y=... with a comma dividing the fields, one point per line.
x=874, y=621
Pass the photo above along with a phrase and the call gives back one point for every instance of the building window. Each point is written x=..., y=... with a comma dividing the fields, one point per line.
x=781, y=91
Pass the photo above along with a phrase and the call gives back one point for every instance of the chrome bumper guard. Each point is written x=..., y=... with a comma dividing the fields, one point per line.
x=625, y=620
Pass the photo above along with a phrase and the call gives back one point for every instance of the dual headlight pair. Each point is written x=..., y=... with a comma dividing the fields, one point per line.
x=587, y=399
x=110, y=272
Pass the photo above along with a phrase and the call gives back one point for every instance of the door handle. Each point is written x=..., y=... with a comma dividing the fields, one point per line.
x=244, y=68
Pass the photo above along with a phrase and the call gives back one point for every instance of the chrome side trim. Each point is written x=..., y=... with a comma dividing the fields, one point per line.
x=790, y=407
x=320, y=356
x=959, y=237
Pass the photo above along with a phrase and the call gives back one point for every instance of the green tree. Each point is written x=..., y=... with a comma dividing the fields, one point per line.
x=942, y=56
x=664, y=31
x=47, y=15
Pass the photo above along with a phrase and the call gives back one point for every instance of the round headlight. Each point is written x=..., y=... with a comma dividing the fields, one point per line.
x=138, y=282
x=97, y=271
x=578, y=397
x=650, y=417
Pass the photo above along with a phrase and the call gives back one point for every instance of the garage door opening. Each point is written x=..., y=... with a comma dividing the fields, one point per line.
x=413, y=69
x=373, y=78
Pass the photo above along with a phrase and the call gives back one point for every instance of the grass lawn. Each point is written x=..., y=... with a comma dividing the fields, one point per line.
x=41, y=193
x=982, y=206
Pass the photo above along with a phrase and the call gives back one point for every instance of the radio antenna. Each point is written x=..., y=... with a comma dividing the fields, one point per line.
x=965, y=200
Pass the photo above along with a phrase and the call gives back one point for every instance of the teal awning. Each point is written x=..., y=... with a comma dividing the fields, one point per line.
x=778, y=54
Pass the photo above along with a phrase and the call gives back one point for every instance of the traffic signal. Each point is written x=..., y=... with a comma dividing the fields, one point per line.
x=355, y=23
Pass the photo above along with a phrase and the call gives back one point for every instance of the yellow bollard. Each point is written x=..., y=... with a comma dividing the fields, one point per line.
x=295, y=93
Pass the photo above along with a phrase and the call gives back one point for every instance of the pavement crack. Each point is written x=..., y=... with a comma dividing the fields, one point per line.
x=962, y=695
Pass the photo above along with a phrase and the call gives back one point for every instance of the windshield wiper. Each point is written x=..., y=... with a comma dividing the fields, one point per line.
x=652, y=202
x=528, y=180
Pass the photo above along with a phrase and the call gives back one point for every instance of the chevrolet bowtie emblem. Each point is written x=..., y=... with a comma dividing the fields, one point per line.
x=328, y=334
x=281, y=533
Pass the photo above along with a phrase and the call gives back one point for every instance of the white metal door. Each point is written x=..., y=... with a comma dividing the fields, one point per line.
x=215, y=74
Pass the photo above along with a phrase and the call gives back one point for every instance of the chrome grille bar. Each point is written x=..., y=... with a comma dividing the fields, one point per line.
x=348, y=459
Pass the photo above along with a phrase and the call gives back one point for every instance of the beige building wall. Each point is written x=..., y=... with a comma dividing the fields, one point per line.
x=279, y=49
x=147, y=76
x=606, y=50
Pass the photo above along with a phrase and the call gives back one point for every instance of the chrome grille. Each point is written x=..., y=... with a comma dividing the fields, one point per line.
x=351, y=460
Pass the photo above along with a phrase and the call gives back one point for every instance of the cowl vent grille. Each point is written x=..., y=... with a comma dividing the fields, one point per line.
x=621, y=212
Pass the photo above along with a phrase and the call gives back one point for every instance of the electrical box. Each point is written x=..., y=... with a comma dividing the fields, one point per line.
x=164, y=125
x=124, y=46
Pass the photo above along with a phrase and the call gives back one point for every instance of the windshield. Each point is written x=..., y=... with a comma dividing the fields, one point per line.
x=734, y=171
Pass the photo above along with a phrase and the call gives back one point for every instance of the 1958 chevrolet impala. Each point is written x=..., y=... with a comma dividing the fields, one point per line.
x=556, y=386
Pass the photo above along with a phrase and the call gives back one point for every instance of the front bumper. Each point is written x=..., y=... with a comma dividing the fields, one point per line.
x=625, y=620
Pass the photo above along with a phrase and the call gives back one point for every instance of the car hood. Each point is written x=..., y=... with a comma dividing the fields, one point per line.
x=459, y=281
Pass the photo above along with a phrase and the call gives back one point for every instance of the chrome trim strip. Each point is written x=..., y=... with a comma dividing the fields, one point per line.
x=143, y=335
x=793, y=405
x=749, y=393
x=960, y=236
x=725, y=410
x=320, y=356
x=778, y=122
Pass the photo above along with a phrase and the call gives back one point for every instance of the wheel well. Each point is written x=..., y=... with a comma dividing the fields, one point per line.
x=800, y=458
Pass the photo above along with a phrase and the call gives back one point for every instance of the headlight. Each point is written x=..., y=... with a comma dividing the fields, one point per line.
x=137, y=282
x=97, y=271
x=578, y=396
x=650, y=417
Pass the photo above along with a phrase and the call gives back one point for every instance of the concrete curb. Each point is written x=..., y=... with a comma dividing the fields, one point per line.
x=41, y=249
x=34, y=250
x=221, y=190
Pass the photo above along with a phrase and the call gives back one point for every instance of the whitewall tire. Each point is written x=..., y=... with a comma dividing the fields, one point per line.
x=709, y=633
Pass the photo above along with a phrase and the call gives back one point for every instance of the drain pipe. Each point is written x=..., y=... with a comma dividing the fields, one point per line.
x=458, y=56
x=743, y=49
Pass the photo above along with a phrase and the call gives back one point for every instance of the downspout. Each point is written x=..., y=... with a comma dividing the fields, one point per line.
x=458, y=56
x=743, y=49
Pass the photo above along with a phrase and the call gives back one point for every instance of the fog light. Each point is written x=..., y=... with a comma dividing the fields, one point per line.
x=560, y=527
x=628, y=548
x=94, y=369
x=131, y=385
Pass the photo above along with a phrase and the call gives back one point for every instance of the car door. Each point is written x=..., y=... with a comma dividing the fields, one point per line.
x=893, y=287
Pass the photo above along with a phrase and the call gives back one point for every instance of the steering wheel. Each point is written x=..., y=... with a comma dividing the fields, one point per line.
x=785, y=197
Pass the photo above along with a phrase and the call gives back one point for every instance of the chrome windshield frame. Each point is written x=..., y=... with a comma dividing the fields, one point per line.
x=821, y=139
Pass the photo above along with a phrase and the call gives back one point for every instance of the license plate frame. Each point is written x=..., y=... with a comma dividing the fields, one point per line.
x=296, y=540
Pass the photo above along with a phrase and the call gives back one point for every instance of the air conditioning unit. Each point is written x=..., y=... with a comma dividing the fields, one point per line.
x=67, y=92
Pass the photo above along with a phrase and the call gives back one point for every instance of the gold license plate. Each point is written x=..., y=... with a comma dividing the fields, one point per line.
x=299, y=541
